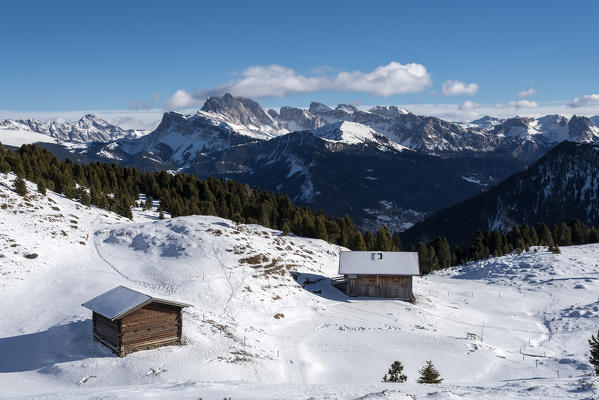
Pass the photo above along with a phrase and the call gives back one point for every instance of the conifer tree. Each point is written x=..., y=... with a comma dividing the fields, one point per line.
x=544, y=235
x=396, y=242
x=395, y=373
x=4, y=166
x=383, y=241
x=286, y=229
x=429, y=374
x=41, y=187
x=369, y=241
x=122, y=207
x=357, y=241
x=320, y=230
x=20, y=186
x=594, y=350
x=423, y=259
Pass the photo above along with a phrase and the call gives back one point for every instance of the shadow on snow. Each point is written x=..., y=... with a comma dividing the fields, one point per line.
x=319, y=285
x=61, y=343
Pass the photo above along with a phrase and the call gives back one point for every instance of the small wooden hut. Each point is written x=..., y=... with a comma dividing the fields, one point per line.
x=386, y=274
x=126, y=320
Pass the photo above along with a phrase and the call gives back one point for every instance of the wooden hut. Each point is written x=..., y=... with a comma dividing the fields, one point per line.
x=126, y=320
x=385, y=274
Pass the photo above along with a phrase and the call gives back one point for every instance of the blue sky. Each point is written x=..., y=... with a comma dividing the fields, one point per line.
x=68, y=56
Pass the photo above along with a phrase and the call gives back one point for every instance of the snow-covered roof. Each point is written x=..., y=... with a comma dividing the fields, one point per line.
x=121, y=300
x=378, y=263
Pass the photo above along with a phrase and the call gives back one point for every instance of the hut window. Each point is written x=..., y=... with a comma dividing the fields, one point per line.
x=377, y=256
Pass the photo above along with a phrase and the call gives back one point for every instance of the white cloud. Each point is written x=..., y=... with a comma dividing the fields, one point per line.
x=279, y=81
x=386, y=80
x=467, y=105
x=454, y=88
x=522, y=104
x=526, y=93
x=586, y=100
x=182, y=99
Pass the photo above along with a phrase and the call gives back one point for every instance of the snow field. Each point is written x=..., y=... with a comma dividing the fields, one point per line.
x=266, y=323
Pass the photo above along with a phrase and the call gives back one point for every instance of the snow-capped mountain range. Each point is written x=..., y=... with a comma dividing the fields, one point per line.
x=90, y=128
x=523, y=138
x=383, y=165
x=229, y=121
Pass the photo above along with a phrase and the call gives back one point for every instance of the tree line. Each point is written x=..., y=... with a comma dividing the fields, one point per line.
x=439, y=254
x=117, y=188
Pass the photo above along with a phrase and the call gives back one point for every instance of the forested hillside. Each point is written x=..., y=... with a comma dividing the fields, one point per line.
x=117, y=188
x=561, y=186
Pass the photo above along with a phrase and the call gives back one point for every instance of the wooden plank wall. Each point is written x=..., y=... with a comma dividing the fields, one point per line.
x=385, y=286
x=151, y=325
x=107, y=331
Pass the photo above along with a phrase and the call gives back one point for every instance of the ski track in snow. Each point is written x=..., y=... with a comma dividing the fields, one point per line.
x=535, y=312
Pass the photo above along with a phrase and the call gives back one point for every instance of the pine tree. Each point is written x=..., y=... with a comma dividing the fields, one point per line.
x=594, y=358
x=369, y=241
x=423, y=260
x=544, y=235
x=161, y=215
x=357, y=241
x=395, y=373
x=320, y=230
x=429, y=374
x=383, y=241
x=122, y=208
x=286, y=229
x=396, y=242
x=20, y=186
x=4, y=167
x=41, y=187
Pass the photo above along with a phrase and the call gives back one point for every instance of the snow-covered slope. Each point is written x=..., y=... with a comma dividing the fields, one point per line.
x=90, y=128
x=17, y=137
x=355, y=133
x=266, y=322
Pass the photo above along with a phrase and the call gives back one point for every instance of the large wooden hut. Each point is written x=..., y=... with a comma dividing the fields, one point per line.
x=385, y=274
x=126, y=320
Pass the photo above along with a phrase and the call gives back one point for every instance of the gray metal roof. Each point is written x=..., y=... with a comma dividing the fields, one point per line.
x=378, y=263
x=121, y=300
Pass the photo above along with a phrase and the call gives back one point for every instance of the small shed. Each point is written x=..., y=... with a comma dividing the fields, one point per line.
x=385, y=274
x=126, y=320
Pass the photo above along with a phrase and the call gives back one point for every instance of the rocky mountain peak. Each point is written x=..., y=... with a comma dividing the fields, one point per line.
x=388, y=111
x=348, y=108
x=239, y=110
x=317, y=108
x=582, y=129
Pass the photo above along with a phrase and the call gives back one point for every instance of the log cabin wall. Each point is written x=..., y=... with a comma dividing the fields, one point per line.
x=386, y=286
x=107, y=331
x=151, y=326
